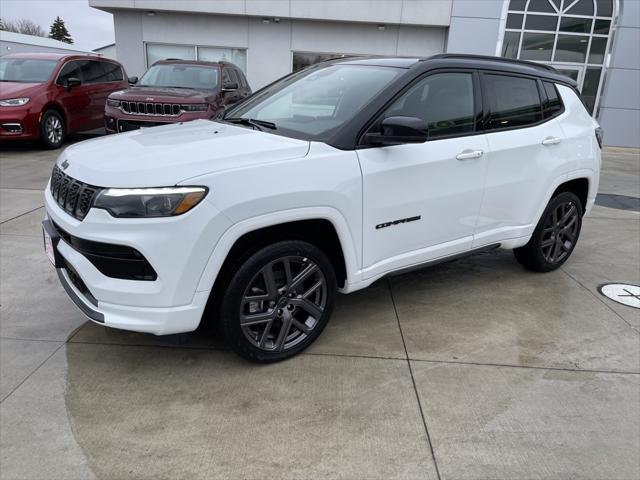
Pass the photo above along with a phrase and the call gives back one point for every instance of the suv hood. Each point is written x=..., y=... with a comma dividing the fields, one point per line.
x=170, y=154
x=164, y=95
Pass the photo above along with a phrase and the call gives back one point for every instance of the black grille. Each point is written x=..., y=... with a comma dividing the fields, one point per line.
x=140, y=108
x=73, y=196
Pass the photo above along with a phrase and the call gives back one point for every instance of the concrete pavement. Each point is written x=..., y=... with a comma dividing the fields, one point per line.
x=472, y=369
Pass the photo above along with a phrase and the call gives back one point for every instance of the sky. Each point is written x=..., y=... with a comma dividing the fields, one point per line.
x=90, y=28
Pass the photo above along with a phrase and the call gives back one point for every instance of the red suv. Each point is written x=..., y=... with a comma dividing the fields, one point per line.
x=176, y=91
x=47, y=95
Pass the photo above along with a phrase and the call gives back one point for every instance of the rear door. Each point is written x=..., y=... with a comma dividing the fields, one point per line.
x=527, y=155
x=94, y=73
x=421, y=201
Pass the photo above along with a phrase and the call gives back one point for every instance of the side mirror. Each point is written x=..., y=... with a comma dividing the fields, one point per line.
x=230, y=87
x=133, y=80
x=399, y=130
x=73, y=82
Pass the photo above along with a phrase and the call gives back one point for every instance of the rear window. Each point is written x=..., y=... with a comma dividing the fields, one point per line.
x=513, y=101
x=553, y=104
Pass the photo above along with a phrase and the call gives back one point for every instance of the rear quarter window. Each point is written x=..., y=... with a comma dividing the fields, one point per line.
x=513, y=101
x=553, y=104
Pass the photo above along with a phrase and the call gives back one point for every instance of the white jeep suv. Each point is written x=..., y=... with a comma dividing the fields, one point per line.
x=324, y=181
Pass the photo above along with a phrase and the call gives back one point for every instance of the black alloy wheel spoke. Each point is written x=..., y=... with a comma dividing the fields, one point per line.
x=283, y=303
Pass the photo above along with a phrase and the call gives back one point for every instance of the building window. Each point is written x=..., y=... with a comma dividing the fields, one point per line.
x=156, y=51
x=304, y=59
x=571, y=35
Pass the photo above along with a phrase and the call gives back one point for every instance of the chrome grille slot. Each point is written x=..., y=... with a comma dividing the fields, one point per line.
x=146, y=108
x=73, y=196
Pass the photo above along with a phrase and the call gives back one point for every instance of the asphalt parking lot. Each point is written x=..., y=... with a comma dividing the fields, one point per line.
x=473, y=369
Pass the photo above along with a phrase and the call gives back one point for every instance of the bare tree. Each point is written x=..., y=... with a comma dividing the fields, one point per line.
x=22, y=25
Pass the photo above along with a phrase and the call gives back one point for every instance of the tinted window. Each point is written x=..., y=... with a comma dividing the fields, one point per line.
x=444, y=101
x=226, y=77
x=70, y=70
x=112, y=71
x=513, y=101
x=554, y=104
x=93, y=72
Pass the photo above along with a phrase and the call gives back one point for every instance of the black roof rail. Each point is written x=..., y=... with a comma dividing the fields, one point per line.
x=493, y=59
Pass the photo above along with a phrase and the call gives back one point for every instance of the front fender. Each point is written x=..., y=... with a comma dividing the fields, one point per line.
x=237, y=230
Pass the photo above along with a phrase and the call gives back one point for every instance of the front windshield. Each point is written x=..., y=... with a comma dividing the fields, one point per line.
x=180, y=76
x=315, y=103
x=26, y=70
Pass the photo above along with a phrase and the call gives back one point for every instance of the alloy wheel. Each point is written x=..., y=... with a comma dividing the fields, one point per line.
x=559, y=232
x=53, y=129
x=283, y=303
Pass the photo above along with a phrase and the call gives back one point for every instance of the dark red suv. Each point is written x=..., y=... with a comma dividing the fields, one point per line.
x=176, y=91
x=47, y=96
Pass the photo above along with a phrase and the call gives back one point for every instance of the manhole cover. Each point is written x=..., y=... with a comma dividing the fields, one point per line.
x=623, y=293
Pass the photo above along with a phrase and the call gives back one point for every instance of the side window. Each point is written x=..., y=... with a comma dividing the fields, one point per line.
x=553, y=104
x=243, y=80
x=70, y=70
x=93, y=72
x=226, y=77
x=513, y=101
x=112, y=71
x=444, y=101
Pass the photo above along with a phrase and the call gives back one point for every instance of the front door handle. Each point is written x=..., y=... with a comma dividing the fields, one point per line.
x=551, y=141
x=469, y=154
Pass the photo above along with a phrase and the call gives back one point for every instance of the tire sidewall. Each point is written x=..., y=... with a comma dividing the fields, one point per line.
x=246, y=271
x=43, y=134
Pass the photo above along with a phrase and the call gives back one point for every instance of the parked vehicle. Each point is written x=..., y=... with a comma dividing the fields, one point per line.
x=46, y=96
x=175, y=91
x=330, y=178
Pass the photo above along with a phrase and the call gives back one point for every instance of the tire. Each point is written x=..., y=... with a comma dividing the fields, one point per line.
x=555, y=236
x=298, y=303
x=52, y=130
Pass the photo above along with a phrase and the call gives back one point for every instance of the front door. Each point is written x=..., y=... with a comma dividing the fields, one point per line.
x=421, y=201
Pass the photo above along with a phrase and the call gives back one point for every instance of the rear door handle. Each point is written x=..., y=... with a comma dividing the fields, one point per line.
x=469, y=154
x=551, y=141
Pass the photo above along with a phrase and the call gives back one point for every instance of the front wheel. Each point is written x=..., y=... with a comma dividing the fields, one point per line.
x=52, y=129
x=555, y=236
x=278, y=301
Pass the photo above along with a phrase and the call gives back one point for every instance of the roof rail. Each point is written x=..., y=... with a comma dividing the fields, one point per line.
x=494, y=59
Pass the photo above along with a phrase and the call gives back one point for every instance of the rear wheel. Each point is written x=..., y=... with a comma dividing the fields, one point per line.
x=278, y=301
x=52, y=129
x=555, y=236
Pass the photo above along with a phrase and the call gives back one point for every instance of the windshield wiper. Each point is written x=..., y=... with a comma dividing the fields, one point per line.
x=258, y=124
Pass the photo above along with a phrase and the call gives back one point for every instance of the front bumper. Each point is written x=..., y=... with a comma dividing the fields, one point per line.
x=19, y=123
x=178, y=248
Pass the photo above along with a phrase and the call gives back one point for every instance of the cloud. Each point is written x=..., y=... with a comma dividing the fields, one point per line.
x=90, y=28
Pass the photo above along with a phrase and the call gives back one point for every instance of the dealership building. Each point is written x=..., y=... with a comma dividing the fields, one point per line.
x=596, y=42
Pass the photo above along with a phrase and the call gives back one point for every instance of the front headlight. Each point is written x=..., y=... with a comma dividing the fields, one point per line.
x=149, y=202
x=195, y=107
x=113, y=103
x=14, y=102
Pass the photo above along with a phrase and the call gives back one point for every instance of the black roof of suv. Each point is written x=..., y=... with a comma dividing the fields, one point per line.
x=453, y=60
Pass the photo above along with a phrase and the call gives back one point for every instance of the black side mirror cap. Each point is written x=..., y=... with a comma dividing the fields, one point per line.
x=73, y=82
x=133, y=80
x=230, y=87
x=399, y=130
